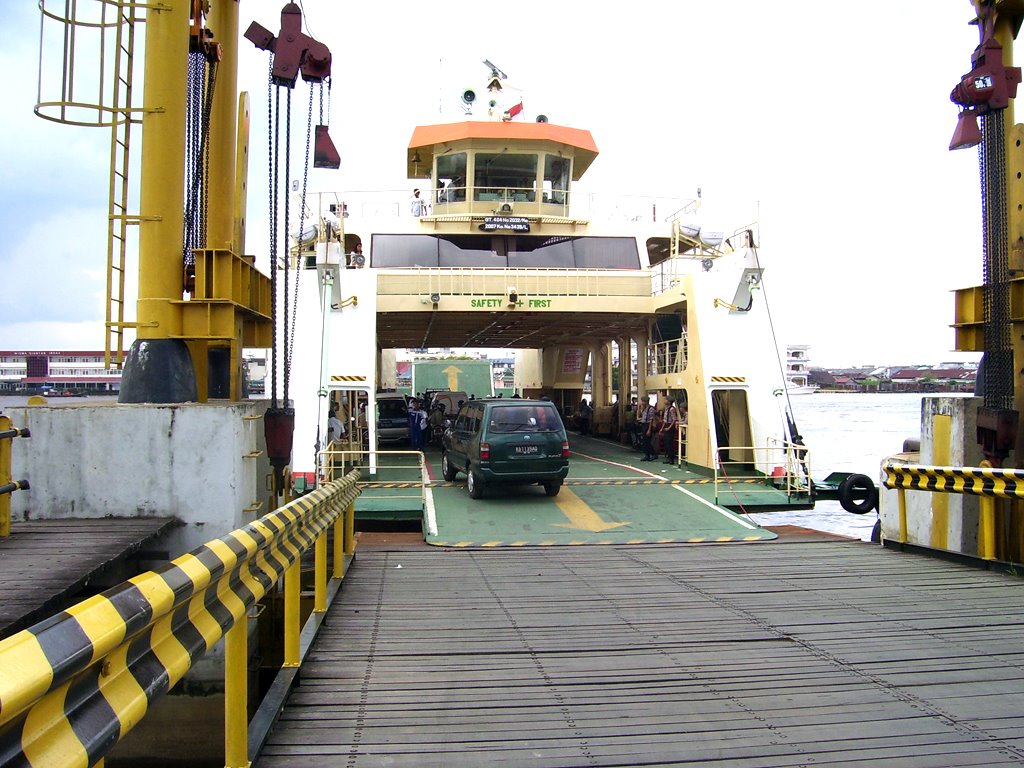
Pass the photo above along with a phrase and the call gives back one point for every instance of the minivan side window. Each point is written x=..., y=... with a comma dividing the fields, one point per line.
x=474, y=418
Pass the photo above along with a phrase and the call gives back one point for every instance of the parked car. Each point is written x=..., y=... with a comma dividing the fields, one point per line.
x=506, y=441
x=392, y=418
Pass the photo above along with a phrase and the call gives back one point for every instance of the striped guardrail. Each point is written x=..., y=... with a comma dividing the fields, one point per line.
x=72, y=686
x=989, y=483
x=978, y=481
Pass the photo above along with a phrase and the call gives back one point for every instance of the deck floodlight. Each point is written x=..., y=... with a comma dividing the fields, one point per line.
x=513, y=296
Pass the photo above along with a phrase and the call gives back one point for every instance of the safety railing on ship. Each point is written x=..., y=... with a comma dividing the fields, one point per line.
x=396, y=480
x=988, y=483
x=492, y=286
x=667, y=356
x=75, y=684
x=8, y=485
x=779, y=466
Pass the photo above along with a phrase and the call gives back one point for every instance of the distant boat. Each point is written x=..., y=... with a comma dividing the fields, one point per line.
x=801, y=389
x=798, y=380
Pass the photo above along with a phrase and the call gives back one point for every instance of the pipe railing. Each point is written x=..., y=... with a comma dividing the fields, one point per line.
x=390, y=471
x=986, y=482
x=667, y=356
x=8, y=485
x=75, y=684
x=779, y=466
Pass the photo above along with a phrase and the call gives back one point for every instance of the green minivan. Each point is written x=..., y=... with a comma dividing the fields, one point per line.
x=505, y=440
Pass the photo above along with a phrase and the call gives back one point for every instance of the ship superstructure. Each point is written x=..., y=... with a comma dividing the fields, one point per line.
x=493, y=250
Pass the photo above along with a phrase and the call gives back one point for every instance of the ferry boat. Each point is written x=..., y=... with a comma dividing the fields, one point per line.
x=496, y=249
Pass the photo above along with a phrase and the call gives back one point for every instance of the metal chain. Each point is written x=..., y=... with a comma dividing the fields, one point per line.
x=192, y=132
x=998, y=369
x=302, y=222
x=272, y=149
x=211, y=87
x=287, y=249
x=201, y=84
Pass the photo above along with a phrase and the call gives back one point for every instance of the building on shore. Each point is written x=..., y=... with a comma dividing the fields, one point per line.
x=56, y=372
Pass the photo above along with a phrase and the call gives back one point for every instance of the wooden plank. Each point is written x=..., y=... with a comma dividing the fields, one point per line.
x=45, y=563
x=735, y=655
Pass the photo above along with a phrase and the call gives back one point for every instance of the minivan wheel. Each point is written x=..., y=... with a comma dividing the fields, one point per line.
x=552, y=488
x=475, y=485
x=447, y=470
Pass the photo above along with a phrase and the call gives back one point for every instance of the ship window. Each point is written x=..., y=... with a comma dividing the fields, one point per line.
x=403, y=251
x=469, y=251
x=489, y=252
x=505, y=176
x=556, y=179
x=606, y=253
x=451, y=177
x=553, y=252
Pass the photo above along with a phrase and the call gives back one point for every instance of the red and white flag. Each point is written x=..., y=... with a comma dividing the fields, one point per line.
x=513, y=111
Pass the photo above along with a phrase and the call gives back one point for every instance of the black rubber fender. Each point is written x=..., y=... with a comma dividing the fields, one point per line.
x=858, y=483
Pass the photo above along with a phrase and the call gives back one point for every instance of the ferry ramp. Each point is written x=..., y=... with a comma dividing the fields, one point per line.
x=610, y=497
x=788, y=653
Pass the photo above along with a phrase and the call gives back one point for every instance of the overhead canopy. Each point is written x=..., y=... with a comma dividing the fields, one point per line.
x=426, y=137
x=503, y=329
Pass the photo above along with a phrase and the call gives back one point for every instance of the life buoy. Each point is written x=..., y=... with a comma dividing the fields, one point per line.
x=855, y=483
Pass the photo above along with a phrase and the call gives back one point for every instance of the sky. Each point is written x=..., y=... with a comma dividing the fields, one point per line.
x=828, y=123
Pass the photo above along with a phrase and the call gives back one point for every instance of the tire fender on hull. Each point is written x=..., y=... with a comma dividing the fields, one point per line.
x=858, y=485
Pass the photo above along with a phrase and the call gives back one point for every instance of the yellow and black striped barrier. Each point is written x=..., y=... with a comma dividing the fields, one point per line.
x=74, y=685
x=989, y=483
x=978, y=481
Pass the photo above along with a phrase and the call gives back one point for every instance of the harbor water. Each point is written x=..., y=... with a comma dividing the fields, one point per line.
x=848, y=432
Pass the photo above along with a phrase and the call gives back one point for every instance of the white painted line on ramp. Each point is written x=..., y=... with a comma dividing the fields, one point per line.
x=725, y=512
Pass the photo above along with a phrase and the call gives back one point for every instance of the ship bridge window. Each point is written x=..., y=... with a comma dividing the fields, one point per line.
x=505, y=176
x=451, y=177
x=556, y=179
x=503, y=252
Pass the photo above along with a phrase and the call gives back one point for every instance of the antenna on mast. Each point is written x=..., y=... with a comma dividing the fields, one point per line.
x=496, y=74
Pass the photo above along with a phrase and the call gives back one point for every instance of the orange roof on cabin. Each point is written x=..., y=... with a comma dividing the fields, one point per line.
x=427, y=136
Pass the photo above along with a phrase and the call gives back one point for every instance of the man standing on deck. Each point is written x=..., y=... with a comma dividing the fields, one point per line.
x=335, y=427
x=646, y=421
x=668, y=431
x=418, y=204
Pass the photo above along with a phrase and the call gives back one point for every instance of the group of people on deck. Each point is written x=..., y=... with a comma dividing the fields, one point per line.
x=655, y=430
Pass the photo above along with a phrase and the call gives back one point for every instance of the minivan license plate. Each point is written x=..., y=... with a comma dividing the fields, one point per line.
x=527, y=449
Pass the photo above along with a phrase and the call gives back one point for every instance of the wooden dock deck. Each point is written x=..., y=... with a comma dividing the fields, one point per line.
x=789, y=653
x=44, y=563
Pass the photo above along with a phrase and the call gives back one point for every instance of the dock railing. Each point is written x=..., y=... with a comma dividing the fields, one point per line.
x=986, y=482
x=74, y=685
x=7, y=485
x=780, y=465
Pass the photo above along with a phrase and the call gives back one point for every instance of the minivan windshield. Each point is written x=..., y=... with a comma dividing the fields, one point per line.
x=524, y=418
